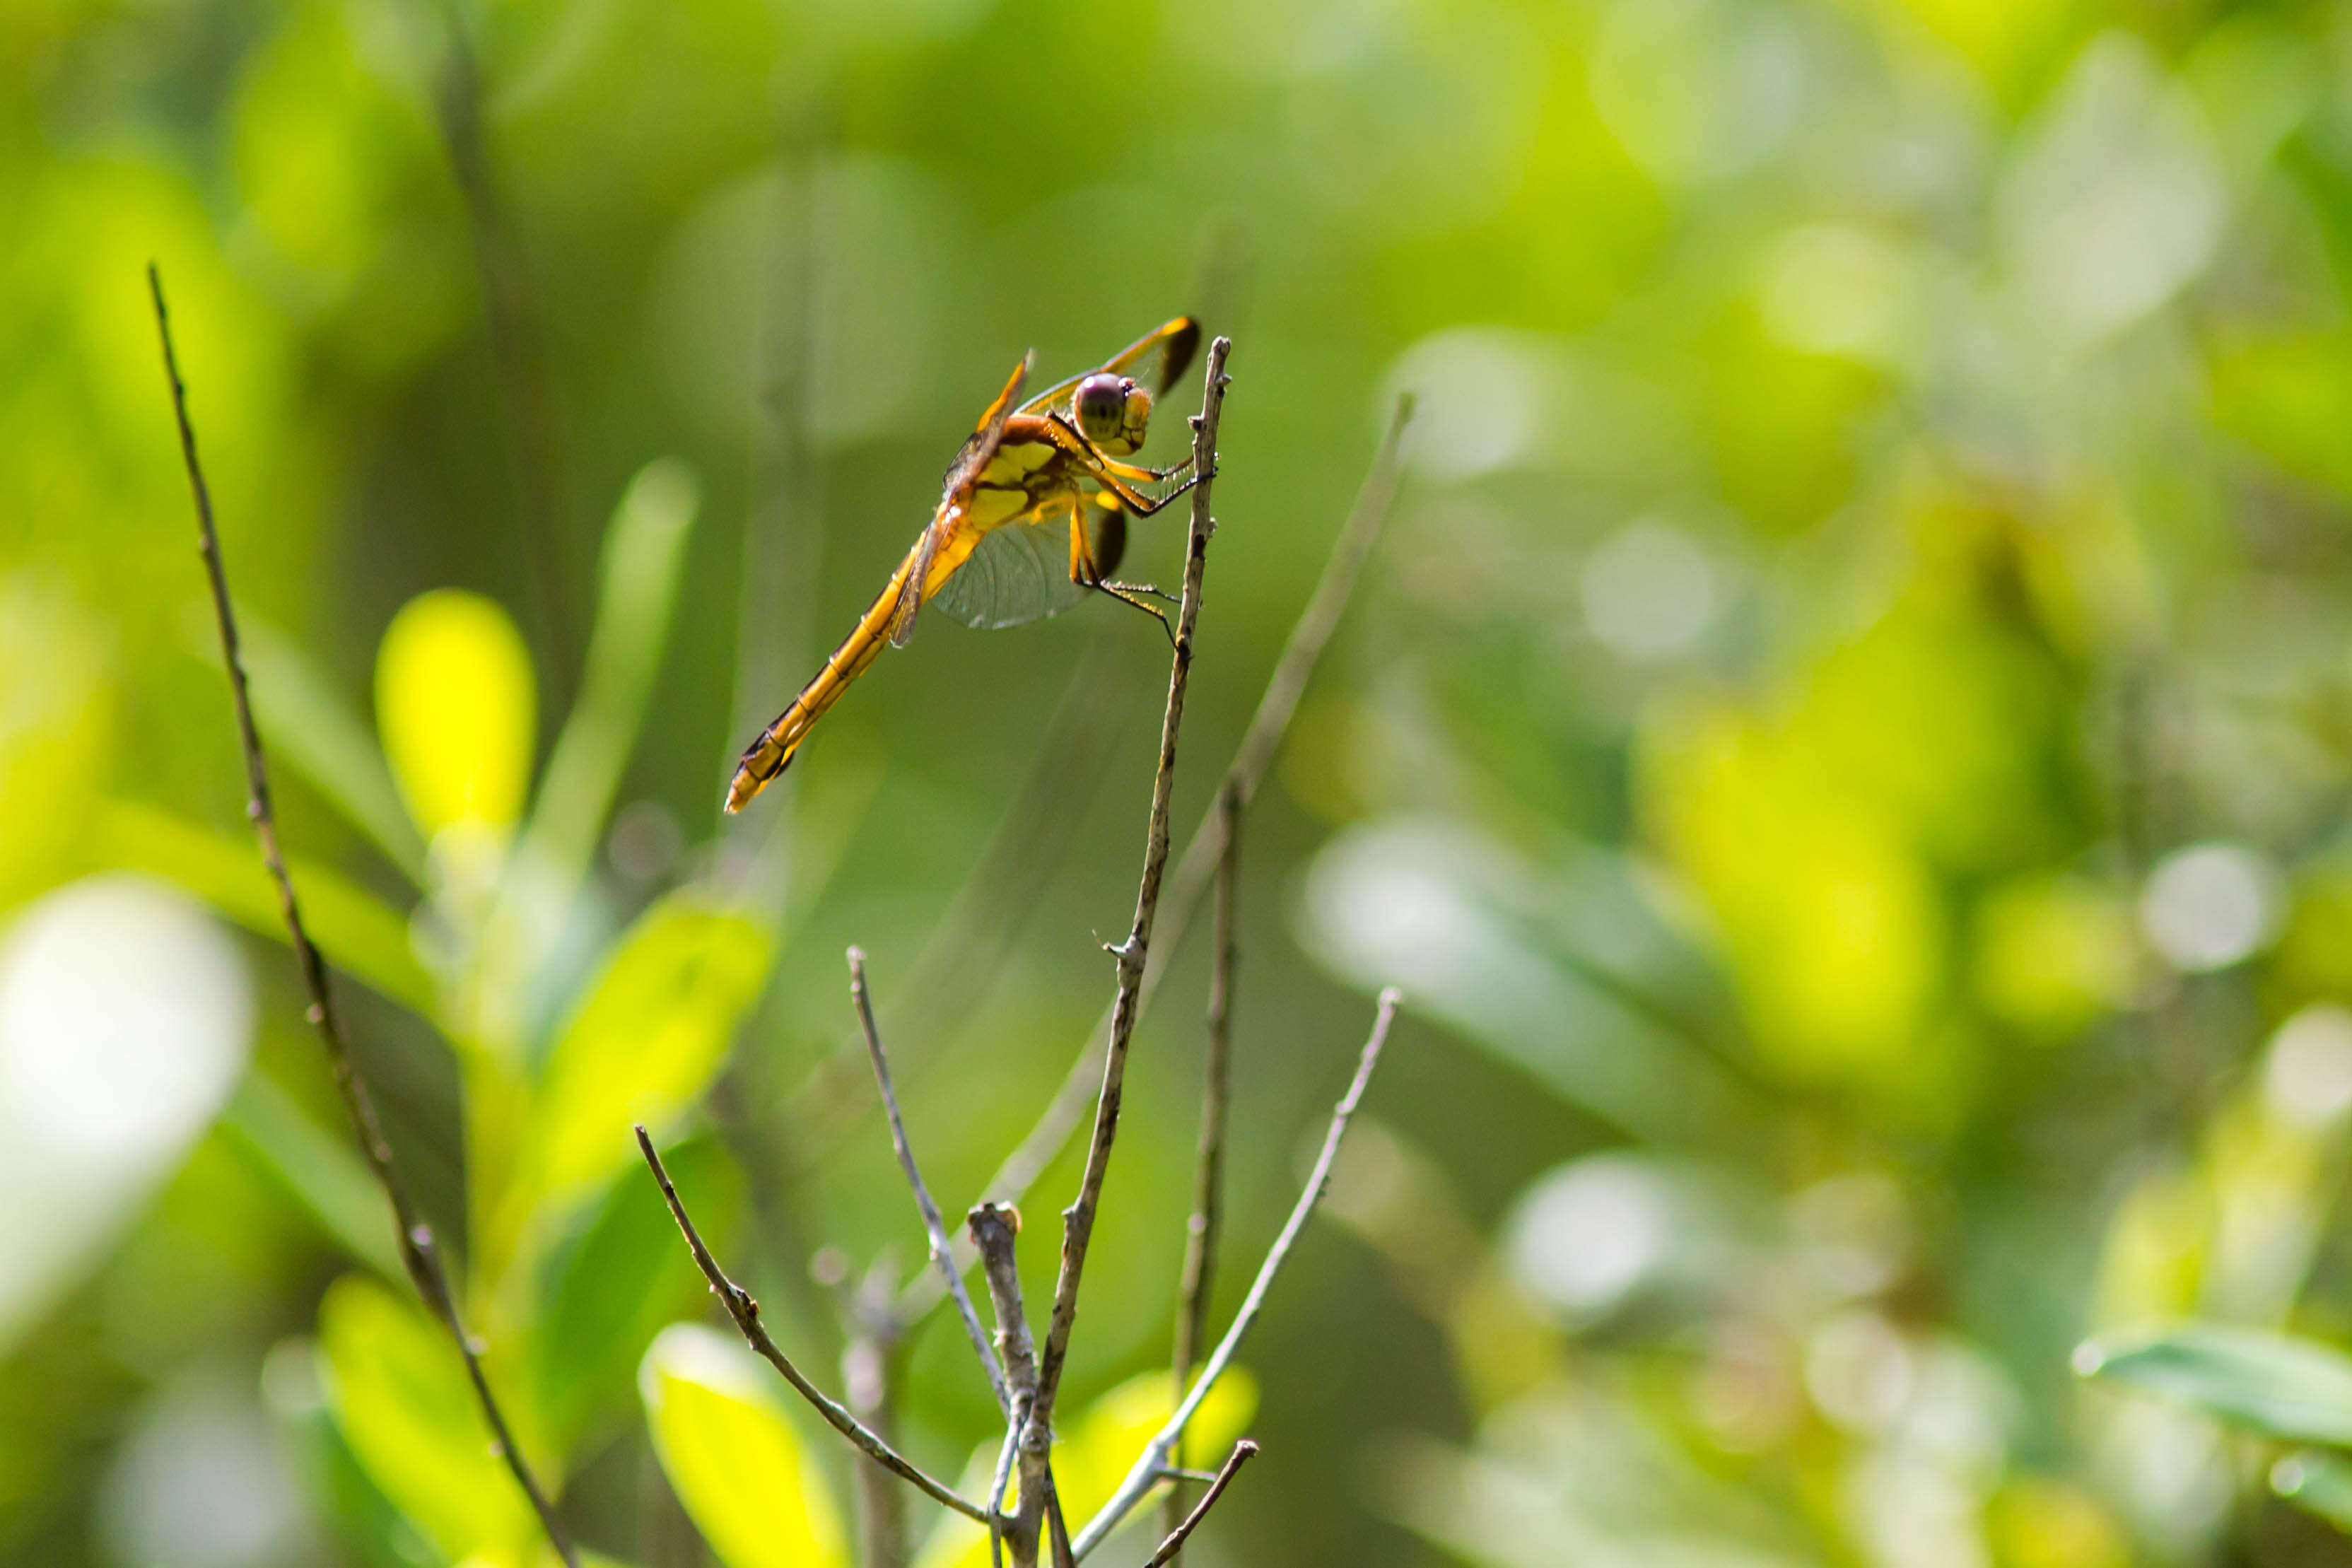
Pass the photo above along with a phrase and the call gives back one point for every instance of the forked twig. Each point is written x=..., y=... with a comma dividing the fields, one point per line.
x=417, y=1248
x=934, y=1227
x=1079, y=1219
x=745, y=1311
x=1243, y=1452
x=1198, y=1277
x=1149, y=1465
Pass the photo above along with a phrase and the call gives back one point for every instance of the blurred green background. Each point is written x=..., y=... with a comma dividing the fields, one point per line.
x=1845, y=745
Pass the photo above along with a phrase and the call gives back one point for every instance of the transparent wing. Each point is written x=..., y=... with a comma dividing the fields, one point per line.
x=910, y=592
x=1018, y=572
x=955, y=496
x=1158, y=359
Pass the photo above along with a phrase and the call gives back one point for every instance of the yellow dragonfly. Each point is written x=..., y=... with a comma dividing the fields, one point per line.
x=993, y=553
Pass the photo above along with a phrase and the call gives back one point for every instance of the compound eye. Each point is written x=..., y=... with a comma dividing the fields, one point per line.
x=1100, y=405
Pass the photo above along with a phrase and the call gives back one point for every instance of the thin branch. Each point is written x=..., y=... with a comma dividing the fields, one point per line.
x=993, y=1227
x=1190, y=881
x=746, y=1314
x=1079, y=1219
x=934, y=1226
x=417, y=1248
x=1146, y=1472
x=1209, y=1178
x=1243, y=1452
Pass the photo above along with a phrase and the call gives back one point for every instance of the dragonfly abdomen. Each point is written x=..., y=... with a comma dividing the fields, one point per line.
x=771, y=753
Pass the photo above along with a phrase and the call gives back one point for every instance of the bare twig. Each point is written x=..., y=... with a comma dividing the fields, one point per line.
x=1209, y=1178
x=1153, y=1460
x=1243, y=1452
x=993, y=1227
x=1252, y=759
x=746, y=1314
x=418, y=1250
x=934, y=1227
x=1079, y=1219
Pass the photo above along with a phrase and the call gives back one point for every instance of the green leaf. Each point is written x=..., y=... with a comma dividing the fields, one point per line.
x=2319, y=1484
x=456, y=704
x=2274, y=1383
x=357, y=933
x=734, y=1460
x=319, y=1170
x=647, y=1041
x=303, y=719
x=644, y=550
x=362, y=1518
x=614, y=1286
x=401, y=1399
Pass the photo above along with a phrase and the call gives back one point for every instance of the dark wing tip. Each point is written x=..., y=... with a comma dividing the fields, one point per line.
x=1183, y=342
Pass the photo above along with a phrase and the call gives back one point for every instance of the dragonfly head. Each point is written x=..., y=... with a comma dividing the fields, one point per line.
x=1113, y=412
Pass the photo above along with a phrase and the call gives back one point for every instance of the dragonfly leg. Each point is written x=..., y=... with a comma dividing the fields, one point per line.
x=1085, y=568
x=1131, y=594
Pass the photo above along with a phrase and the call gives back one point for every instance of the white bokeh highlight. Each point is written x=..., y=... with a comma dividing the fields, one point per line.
x=2307, y=1076
x=1648, y=591
x=1591, y=1234
x=2210, y=905
x=125, y=1021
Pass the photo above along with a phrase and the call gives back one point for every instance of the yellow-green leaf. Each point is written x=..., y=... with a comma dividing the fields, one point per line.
x=734, y=1461
x=399, y=1398
x=456, y=704
x=651, y=1035
x=307, y=721
x=1092, y=1456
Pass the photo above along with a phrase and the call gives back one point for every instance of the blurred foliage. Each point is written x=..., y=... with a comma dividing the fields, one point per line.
x=1846, y=747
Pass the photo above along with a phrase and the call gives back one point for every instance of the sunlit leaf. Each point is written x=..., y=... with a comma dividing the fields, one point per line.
x=2319, y=1484
x=363, y=1518
x=319, y=1169
x=654, y=1031
x=616, y=1283
x=305, y=721
x=644, y=551
x=355, y=931
x=732, y=1458
x=1092, y=1455
x=2278, y=1385
x=400, y=1396
x=455, y=701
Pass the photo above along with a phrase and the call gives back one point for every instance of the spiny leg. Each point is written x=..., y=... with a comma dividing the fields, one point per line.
x=1083, y=570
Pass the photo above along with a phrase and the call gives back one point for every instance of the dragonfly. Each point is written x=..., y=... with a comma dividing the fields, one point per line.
x=1031, y=519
